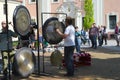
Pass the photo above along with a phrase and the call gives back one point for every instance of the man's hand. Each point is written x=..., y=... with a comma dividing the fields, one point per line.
x=58, y=31
x=61, y=34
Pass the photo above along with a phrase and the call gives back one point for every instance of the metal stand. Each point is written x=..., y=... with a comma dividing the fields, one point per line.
x=6, y=10
x=38, y=36
x=43, y=70
x=43, y=52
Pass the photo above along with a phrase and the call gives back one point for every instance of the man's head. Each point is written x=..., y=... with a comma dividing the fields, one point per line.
x=3, y=23
x=76, y=28
x=94, y=24
x=68, y=21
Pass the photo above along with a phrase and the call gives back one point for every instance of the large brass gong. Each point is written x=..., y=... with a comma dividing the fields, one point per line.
x=21, y=20
x=49, y=33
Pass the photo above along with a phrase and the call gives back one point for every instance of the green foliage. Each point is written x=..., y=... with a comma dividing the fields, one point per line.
x=89, y=14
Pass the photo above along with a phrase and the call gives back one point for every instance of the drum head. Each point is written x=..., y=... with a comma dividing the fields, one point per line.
x=49, y=33
x=21, y=20
x=24, y=62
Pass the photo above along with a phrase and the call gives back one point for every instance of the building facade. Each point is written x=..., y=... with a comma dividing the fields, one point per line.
x=104, y=14
x=111, y=13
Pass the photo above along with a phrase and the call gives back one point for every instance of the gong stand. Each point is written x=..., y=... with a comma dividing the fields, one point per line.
x=37, y=13
x=43, y=57
x=6, y=11
x=38, y=36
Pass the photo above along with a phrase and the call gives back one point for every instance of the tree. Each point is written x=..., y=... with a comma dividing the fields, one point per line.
x=89, y=14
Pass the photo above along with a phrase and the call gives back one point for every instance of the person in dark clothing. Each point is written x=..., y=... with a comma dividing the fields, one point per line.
x=117, y=34
x=104, y=35
x=93, y=33
x=23, y=41
x=32, y=37
x=6, y=46
x=27, y=40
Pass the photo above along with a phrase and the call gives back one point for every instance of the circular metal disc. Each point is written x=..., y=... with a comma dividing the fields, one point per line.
x=56, y=58
x=25, y=63
x=49, y=33
x=21, y=20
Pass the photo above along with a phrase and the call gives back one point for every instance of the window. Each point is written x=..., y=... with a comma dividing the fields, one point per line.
x=112, y=19
x=32, y=1
x=55, y=1
x=69, y=0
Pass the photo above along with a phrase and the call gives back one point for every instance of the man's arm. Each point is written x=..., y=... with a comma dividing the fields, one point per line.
x=61, y=34
x=13, y=34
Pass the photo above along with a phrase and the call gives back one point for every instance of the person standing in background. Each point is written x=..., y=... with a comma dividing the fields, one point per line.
x=93, y=32
x=6, y=46
x=87, y=37
x=117, y=34
x=32, y=37
x=100, y=35
x=77, y=39
x=83, y=36
x=104, y=35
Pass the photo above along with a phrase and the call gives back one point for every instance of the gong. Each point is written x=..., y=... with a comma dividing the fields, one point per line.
x=56, y=58
x=21, y=20
x=49, y=33
x=24, y=62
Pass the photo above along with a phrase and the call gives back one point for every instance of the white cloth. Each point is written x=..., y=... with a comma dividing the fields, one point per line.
x=87, y=35
x=70, y=39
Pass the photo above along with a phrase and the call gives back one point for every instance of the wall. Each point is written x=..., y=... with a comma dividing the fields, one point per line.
x=111, y=7
x=11, y=7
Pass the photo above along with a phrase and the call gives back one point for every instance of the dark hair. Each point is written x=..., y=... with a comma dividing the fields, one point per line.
x=68, y=20
x=34, y=25
x=76, y=27
x=94, y=23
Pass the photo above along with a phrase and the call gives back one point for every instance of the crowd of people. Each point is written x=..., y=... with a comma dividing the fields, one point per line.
x=95, y=36
x=91, y=36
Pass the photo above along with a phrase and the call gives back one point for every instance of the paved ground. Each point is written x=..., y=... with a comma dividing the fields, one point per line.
x=105, y=66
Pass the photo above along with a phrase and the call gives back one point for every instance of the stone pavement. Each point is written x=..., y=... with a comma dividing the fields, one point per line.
x=111, y=44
